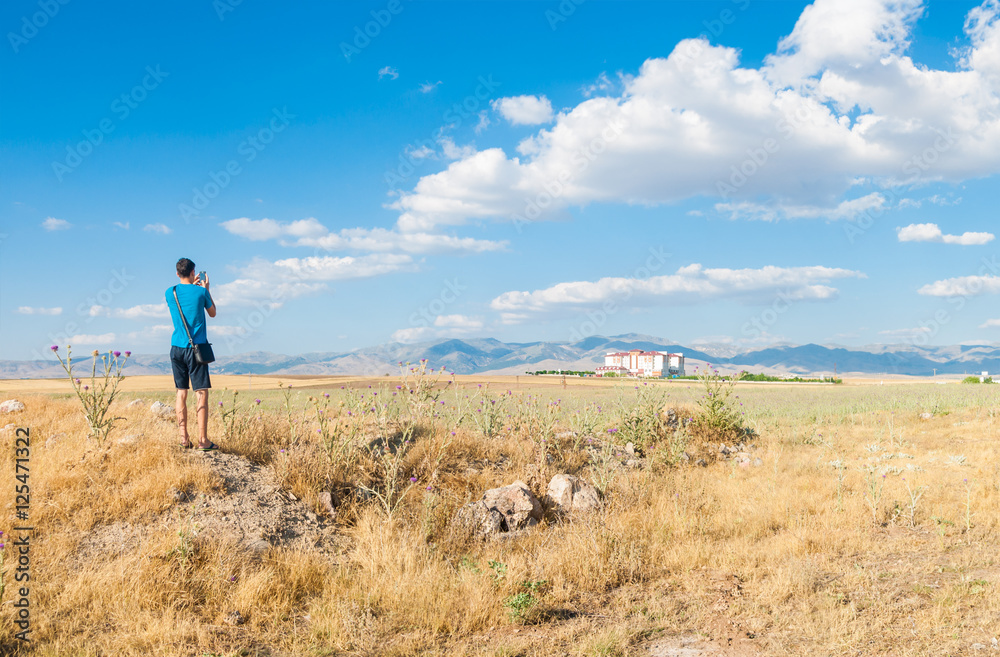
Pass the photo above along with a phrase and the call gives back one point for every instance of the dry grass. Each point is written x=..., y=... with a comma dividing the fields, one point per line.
x=813, y=552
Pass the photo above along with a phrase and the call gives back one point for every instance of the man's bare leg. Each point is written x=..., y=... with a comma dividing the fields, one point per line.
x=180, y=410
x=201, y=408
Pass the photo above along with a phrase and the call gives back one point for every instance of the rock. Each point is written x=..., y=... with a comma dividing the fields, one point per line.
x=515, y=502
x=326, y=499
x=176, y=494
x=565, y=435
x=52, y=440
x=136, y=402
x=569, y=494
x=234, y=618
x=630, y=448
x=635, y=464
x=161, y=410
x=129, y=439
x=11, y=406
x=672, y=419
x=702, y=462
x=10, y=427
x=479, y=520
x=926, y=416
x=757, y=462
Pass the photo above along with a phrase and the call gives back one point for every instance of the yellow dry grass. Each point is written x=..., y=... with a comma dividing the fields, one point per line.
x=812, y=552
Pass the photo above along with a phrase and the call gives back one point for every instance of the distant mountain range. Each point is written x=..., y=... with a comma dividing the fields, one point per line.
x=487, y=355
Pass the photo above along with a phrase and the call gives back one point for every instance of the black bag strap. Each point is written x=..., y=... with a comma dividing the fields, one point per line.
x=183, y=321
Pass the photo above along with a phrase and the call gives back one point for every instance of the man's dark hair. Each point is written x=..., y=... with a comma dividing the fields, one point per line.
x=185, y=267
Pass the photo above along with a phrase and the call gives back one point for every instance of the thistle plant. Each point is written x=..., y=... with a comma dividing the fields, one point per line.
x=421, y=386
x=339, y=431
x=98, y=395
x=717, y=413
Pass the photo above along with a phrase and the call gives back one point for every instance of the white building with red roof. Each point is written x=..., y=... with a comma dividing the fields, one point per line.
x=659, y=364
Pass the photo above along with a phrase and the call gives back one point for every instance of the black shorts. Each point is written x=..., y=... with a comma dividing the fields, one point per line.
x=185, y=367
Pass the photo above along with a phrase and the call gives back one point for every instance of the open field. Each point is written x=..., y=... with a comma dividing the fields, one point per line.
x=852, y=527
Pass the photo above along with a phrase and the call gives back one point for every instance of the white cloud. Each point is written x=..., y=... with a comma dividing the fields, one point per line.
x=524, y=110
x=838, y=105
x=848, y=210
x=444, y=326
x=932, y=233
x=52, y=224
x=419, y=153
x=124, y=226
x=162, y=229
x=309, y=232
x=601, y=84
x=143, y=311
x=89, y=339
x=276, y=282
x=269, y=229
x=962, y=286
x=484, y=122
x=691, y=284
x=428, y=87
x=906, y=333
x=990, y=323
x=28, y=310
x=453, y=152
x=389, y=72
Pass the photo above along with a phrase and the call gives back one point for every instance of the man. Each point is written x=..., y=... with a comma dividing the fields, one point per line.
x=195, y=300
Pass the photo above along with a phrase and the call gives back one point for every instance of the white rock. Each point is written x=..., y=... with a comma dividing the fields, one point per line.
x=567, y=493
x=136, y=402
x=478, y=520
x=11, y=406
x=515, y=502
x=161, y=410
x=926, y=416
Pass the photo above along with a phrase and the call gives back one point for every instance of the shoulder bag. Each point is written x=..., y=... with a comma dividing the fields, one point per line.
x=203, y=354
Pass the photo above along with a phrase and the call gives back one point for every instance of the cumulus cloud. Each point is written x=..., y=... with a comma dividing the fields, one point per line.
x=962, y=286
x=690, y=284
x=160, y=229
x=52, y=224
x=29, y=310
x=837, y=105
x=142, y=311
x=309, y=232
x=990, y=323
x=388, y=72
x=123, y=225
x=274, y=283
x=428, y=87
x=524, y=110
x=444, y=326
x=931, y=233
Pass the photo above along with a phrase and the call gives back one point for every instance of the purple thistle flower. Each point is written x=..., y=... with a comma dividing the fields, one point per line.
x=413, y=480
x=117, y=353
x=86, y=387
x=127, y=354
x=54, y=347
x=257, y=401
x=430, y=488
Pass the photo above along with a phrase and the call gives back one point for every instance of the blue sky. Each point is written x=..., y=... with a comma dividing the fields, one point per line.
x=745, y=172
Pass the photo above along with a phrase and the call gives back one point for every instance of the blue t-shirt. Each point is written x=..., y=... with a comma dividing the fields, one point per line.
x=194, y=300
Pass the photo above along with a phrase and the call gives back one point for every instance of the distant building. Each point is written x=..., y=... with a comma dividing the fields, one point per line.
x=637, y=362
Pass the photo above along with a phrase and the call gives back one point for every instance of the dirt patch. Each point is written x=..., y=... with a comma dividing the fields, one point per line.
x=250, y=510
